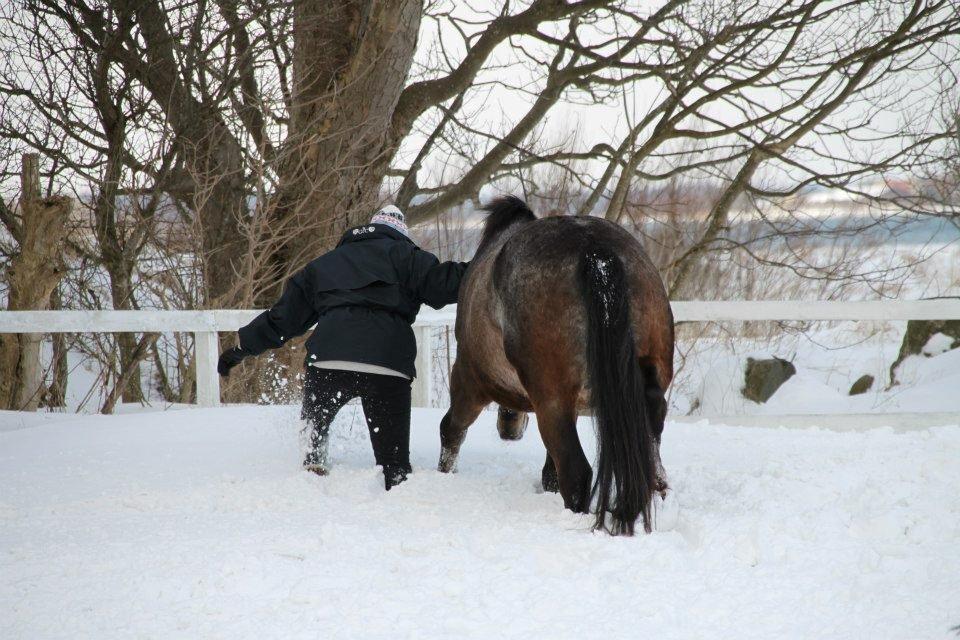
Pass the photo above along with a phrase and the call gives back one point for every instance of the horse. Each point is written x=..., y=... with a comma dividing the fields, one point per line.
x=559, y=316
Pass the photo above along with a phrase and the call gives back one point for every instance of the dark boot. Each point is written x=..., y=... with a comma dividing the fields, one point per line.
x=317, y=460
x=394, y=475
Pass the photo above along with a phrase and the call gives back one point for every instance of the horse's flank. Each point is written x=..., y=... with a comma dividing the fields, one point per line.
x=480, y=311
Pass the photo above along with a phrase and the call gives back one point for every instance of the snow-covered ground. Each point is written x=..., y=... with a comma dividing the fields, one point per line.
x=199, y=524
x=828, y=359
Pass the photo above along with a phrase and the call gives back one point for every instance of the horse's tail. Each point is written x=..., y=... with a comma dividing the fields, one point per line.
x=626, y=467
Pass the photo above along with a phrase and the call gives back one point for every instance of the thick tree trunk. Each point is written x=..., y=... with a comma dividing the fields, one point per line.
x=350, y=65
x=34, y=273
x=351, y=61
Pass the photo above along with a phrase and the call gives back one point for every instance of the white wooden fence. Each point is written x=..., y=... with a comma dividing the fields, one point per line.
x=205, y=325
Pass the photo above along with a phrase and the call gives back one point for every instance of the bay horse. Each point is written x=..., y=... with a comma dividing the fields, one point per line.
x=562, y=315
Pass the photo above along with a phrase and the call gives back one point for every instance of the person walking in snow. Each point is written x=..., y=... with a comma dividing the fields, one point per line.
x=363, y=296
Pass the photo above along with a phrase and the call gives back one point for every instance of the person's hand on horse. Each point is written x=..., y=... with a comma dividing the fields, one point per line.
x=229, y=359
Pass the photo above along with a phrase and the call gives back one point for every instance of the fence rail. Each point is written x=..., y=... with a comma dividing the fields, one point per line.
x=205, y=326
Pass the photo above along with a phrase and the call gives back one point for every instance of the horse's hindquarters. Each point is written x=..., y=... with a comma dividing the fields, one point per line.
x=562, y=315
x=586, y=323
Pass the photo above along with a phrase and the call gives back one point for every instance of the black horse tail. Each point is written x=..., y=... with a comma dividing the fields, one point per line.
x=503, y=212
x=626, y=468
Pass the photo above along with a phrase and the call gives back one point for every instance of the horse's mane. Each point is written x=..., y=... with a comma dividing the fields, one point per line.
x=503, y=212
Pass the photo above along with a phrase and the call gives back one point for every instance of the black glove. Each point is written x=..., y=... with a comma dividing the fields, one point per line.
x=229, y=359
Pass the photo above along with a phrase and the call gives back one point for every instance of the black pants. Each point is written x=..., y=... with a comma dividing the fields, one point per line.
x=386, y=406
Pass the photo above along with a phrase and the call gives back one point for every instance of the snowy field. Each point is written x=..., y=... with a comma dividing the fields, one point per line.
x=199, y=524
x=828, y=359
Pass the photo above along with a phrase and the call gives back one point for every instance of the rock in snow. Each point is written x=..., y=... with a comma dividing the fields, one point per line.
x=863, y=384
x=763, y=377
x=200, y=524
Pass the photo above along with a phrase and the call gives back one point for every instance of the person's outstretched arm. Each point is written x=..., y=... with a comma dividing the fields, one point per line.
x=290, y=317
x=435, y=283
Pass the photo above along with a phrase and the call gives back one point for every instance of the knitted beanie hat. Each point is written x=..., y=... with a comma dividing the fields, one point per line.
x=392, y=217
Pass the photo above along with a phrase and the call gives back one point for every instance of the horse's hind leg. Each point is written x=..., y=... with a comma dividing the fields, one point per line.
x=548, y=477
x=558, y=429
x=453, y=430
x=511, y=424
x=465, y=405
x=656, y=404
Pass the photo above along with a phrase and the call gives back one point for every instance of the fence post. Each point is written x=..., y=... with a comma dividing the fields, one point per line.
x=422, y=385
x=207, y=349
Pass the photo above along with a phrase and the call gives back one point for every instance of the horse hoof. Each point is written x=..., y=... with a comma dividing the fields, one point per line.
x=511, y=424
x=317, y=469
x=448, y=462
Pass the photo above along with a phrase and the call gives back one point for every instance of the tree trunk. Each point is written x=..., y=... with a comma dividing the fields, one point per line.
x=351, y=61
x=56, y=397
x=214, y=181
x=119, y=247
x=350, y=65
x=118, y=261
x=119, y=268
x=34, y=273
x=163, y=381
x=141, y=350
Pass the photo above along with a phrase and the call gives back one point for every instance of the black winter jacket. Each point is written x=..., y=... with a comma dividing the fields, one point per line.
x=363, y=296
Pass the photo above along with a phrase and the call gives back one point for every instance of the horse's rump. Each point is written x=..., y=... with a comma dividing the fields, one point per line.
x=542, y=314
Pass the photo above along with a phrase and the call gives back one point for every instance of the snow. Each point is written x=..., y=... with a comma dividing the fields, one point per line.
x=199, y=524
x=828, y=361
x=937, y=344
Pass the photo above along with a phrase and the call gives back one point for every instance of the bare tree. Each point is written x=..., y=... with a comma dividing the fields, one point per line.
x=271, y=125
x=747, y=99
x=38, y=227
